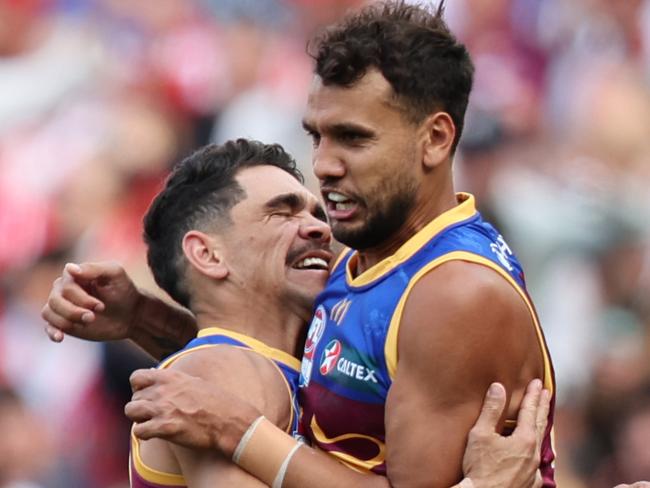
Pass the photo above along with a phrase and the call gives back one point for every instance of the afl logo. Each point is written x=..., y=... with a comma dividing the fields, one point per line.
x=330, y=357
x=315, y=330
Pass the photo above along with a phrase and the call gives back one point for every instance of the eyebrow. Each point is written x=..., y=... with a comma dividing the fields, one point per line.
x=291, y=200
x=295, y=202
x=340, y=129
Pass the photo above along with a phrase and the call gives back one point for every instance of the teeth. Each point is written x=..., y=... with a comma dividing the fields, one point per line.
x=307, y=262
x=344, y=206
x=336, y=197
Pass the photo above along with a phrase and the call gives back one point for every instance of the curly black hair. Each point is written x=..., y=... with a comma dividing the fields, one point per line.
x=412, y=47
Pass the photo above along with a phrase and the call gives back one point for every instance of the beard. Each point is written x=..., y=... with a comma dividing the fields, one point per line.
x=385, y=215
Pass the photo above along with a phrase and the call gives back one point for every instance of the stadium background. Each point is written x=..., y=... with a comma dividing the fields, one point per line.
x=98, y=98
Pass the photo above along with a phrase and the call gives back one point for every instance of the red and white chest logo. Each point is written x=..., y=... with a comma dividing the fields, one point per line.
x=330, y=357
x=315, y=330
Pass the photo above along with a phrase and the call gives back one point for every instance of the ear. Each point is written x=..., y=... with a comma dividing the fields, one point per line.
x=438, y=133
x=202, y=251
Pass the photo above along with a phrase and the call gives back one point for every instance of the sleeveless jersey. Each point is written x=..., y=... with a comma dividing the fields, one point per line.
x=143, y=476
x=350, y=354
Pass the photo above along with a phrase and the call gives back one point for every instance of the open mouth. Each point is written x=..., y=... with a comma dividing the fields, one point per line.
x=339, y=206
x=314, y=260
x=338, y=201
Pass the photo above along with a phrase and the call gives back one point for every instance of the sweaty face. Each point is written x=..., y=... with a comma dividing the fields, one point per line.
x=365, y=157
x=278, y=247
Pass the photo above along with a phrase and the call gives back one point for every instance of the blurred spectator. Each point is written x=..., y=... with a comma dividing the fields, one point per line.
x=98, y=98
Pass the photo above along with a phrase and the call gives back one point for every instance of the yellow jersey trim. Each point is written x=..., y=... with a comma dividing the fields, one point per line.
x=257, y=346
x=390, y=347
x=465, y=209
x=149, y=474
x=340, y=258
x=355, y=463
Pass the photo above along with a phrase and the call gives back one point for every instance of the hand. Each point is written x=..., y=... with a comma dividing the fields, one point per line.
x=93, y=301
x=494, y=460
x=638, y=484
x=187, y=410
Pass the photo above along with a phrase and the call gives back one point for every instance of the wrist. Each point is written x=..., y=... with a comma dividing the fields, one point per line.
x=265, y=451
x=137, y=313
x=226, y=438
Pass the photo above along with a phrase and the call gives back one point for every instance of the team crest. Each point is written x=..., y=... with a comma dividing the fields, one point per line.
x=314, y=334
x=330, y=357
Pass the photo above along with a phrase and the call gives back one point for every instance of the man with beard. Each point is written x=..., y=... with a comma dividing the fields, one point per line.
x=236, y=239
x=417, y=321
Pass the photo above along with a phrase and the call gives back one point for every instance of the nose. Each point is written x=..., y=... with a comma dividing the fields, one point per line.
x=314, y=229
x=326, y=164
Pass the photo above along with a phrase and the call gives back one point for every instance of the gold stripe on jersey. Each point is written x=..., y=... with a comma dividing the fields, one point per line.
x=465, y=209
x=255, y=345
x=340, y=258
x=390, y=347
x=347, y=459
x=339, y=310
x=150, y=474
x=258, y=347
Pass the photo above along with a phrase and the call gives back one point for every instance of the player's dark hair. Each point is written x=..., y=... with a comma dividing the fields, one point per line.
x=199, y=194
x=413, y=49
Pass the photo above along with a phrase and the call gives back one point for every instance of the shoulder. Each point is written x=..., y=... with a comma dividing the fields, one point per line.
x=467, y=302
x=243, y=372
x=462, y=287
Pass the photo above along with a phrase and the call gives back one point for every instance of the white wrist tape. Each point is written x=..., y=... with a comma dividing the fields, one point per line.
x=245, y=439
x=279, y=478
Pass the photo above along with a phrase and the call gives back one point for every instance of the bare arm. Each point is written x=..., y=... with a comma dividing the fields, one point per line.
x=183, y=409
x=99, y=302
x=478, y=334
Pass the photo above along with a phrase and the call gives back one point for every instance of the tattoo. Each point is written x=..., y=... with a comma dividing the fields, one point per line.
x=166, y=346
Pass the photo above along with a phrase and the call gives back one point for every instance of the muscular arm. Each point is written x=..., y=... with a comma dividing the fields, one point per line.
x=99, y=302
x=160, y=328
x=183, y=409
x=241, y=373
x=463, y=327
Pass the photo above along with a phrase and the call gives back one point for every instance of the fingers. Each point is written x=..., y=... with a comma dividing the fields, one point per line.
x=539, y=481
x=542, y=413
x=155, y=428
x=143, y=378
x=493, y=405
x=139, y=410
x=69, y=301
x=86, y=272
x=529, y=404
x=53, y=333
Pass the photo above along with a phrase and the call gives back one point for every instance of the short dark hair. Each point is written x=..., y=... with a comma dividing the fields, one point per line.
x=412, y=47
x=199, y=194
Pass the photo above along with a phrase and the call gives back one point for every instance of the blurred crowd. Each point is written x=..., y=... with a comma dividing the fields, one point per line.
x=98, y=99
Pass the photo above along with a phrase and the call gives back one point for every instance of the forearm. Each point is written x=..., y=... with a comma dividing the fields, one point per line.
x=265, y=455
x=161, y=328
x=316, y=469
x=274, y=457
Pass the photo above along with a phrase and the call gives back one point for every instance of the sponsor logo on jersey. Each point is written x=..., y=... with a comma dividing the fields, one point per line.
x=316, y=329
x=330, y=356
x=355, y=370
x=332, y=359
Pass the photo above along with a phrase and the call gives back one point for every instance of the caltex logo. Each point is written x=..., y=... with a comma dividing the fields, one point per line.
x=330, y=357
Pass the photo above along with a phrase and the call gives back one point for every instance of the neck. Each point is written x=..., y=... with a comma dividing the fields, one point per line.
x=276, y=326
x=439, y=198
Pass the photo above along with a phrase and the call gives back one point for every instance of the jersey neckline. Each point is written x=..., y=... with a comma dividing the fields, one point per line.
x=465, y=209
